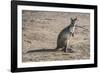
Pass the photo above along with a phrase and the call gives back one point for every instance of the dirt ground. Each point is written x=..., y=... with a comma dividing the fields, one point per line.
x=40, y=31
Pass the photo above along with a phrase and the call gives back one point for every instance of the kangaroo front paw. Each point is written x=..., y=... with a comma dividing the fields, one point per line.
x=72, y=34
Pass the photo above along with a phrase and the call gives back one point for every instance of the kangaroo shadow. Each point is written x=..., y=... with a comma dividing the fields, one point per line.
x=42, y=50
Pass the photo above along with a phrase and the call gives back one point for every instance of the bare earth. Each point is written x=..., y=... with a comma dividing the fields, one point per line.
x=40, y=32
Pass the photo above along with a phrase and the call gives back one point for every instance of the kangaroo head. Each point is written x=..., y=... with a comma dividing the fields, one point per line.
x=72, y=25
x=73, y=20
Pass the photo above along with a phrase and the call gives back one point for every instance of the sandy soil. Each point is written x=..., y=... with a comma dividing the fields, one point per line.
x=40, y=32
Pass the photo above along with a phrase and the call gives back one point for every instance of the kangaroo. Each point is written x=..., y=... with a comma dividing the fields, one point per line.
x=65, y=35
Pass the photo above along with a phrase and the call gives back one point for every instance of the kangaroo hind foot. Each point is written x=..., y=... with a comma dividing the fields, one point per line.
x=68, y=50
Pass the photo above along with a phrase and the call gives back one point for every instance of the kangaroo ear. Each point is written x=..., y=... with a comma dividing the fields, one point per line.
x=75, y=18
x=71, y=19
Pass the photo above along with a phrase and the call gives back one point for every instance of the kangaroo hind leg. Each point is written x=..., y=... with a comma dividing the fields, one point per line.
x=66, y=46
x=67, y=49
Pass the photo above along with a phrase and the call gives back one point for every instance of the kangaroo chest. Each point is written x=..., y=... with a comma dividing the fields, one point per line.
x=72, y=29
